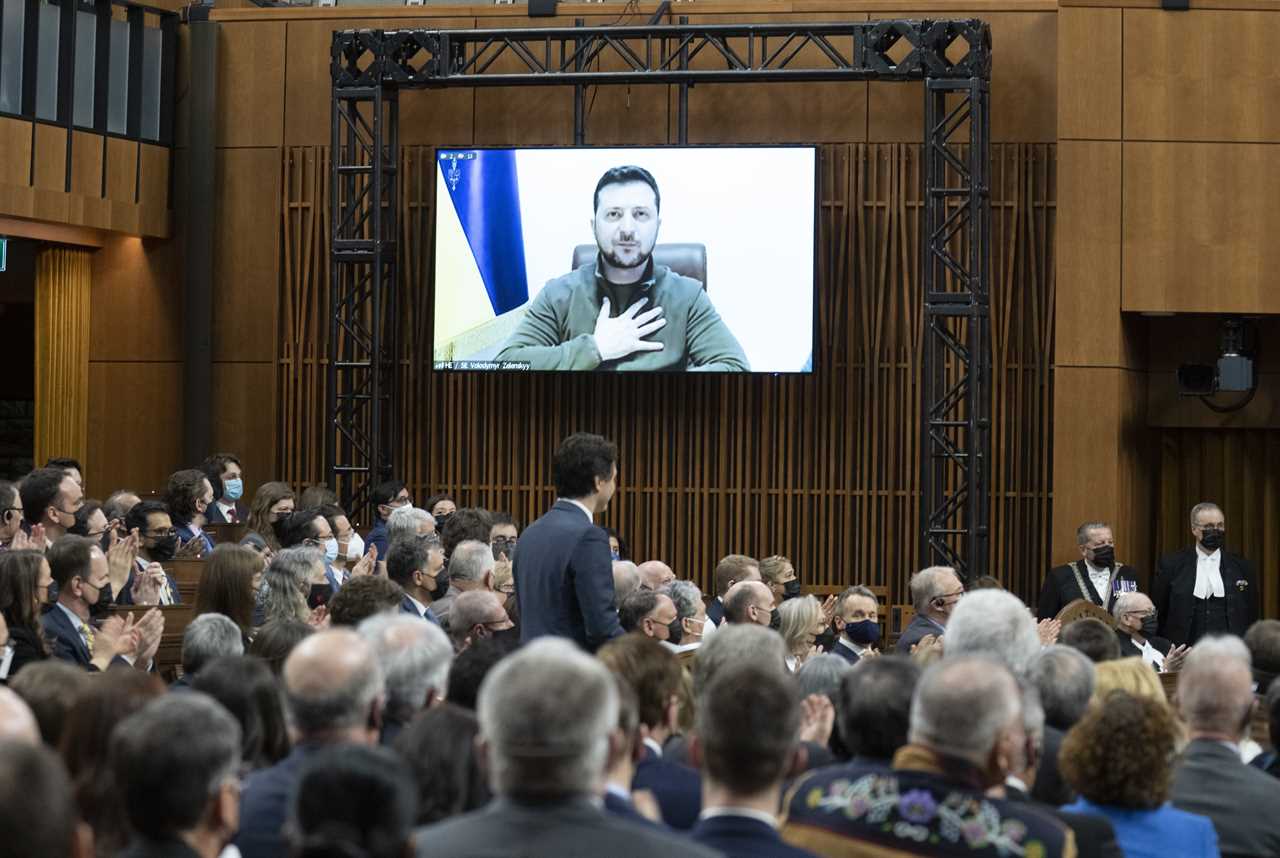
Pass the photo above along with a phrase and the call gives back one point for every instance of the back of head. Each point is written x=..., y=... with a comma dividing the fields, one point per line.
x=626, y=580
x=961, y=706
x=50, y=688
x=993, y=624
x=635, y=608
x=469, y=524
x=364, y=597
x=209, y=636
x=874, y=706
x=747, y=725
x=733, y=568
x=332, y=682
x=39, y=816
x=405, y=523
x=414, y=657
x=169, y=759
x=353, y=800
x=546, y=714
x=275, y=639
x=739, y=599
x=1122, y=752
x=248, y=690
x=471, y=559
x=439, y=747
x=652, y=671
x=1064, y=678
x=1092, y=637
x=734, y=644
x=1263, y=641
x=579, y=461
x=297, y=527
x=68, y=557
x=109, y=699
x=17, y=721
x=822, y=674
x=40, y=490
x=1131, y=675
x=473, y=664
x=1215, y=686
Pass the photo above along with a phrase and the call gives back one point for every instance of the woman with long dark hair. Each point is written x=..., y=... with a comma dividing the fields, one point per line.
x=232, y=576
x=24, y=589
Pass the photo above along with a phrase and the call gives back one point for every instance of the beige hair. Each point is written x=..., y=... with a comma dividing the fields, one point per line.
x=798, y=617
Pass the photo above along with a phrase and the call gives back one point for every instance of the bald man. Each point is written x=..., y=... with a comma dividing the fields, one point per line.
x=17, y=723
x=626, y=580
x=654, y=574
x=334, y=692
x=751, y=602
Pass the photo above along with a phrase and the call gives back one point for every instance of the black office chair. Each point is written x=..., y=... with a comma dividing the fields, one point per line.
x=687, y=260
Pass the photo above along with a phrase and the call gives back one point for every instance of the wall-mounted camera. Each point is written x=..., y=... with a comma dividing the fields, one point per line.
x=1233, y=373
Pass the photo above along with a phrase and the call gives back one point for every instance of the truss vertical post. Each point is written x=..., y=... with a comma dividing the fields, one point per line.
x=956, y=370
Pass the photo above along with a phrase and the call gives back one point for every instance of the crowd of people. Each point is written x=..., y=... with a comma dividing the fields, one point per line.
x=449, y=683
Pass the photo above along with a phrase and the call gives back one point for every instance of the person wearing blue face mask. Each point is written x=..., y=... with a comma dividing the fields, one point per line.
x=857, y=621
x=227, y=479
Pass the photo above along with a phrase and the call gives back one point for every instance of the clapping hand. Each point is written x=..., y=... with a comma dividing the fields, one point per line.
x=623, y=335
x=192, y=549
x=817, y=718
x=319, y=618
x=1175, y=657
x=149, y=629
x=147, y=585
x=1048, y=631
x=121, y=557
x=365, y=565
x=33, y=541
x=829, y=609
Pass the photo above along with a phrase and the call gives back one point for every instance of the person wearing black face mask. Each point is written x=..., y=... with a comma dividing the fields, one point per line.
x=1096, y=577
x=858, y=622
x=1204, y=589
x=1136, y=626
x=157, y=544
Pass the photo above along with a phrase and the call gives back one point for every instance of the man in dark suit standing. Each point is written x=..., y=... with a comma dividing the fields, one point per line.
x=1203, y=590
x=1136, y=624
x=935, y=591
x=563, y=572
x=1095, y=577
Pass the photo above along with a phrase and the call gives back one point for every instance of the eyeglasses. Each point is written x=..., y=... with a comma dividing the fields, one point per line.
x=1153, y=613
x=313, y=541
x=503, y=540
x=161, y=534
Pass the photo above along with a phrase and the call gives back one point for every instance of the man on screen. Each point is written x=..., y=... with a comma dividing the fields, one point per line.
x=623, y=312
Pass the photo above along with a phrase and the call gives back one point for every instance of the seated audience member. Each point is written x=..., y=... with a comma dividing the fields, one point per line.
x=747, y=642
x=993, y=624
x=1263, y=641
x=654, y=574
x=11, y=518
x=317, y=496
x=618, y=549
x=470, y=567
x=546, y=714
x=1215, y=697
x=417, y=565
x=17, y=721
x=309, y=527
x=1268, y=762
x=653, y=672
x=117, y=505
x=745, y=744
x=626, y=580
x=271, y=502
x=731, y=569
x=344, y=550
x=504, y=584
x=246, y=687
x=440, y=747
x=229, y=585
x=69, y=466
x=188, y=497
x=1092, y=637
x=407, y=522
x=87, y=744
x=650, y=614
x=276, y=639
x=1136, y=631
x=50, y=499
x=1064, y=679
x=986, y=582
x=965, y=720
x=691, y=613
x=51, y=689
x=414, y=657
x=874, y=708
x=1127, y=674
x=935, y=592
x=1119, y=757
x=176, y=763
x=751, y=602
x=333, y=692
x=440, y=506
x=464, y=525
x=294, y=578
x=779, y=575
x=477, y=614
x=91, y=523
x=226, y=476
x=857, y=623
x=801, y=622
x=352, y=800
x=504, y=535
x=208, y=637
x=473, y=664
x=386, y=497
x=39, y=815
x=364, y=597
x=25, y=580
x=822, y=674
x=148, y=583
x=625, y=750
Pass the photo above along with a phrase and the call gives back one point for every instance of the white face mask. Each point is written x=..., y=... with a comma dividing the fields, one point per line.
x=355, y=547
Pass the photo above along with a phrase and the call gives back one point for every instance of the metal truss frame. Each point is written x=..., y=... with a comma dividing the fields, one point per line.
x=951, y=57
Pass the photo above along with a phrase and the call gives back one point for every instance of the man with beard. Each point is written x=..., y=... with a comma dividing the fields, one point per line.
x=623, y=311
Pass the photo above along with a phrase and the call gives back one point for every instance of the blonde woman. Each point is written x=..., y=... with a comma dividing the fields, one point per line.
x=1131, y=675
x=802, y=622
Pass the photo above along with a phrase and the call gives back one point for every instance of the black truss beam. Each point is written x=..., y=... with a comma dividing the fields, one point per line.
x=951, y=57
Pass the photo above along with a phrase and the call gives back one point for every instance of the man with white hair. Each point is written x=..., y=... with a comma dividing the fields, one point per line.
x=935, y=591
x=654, y=574
x=548, y=716
x=626, y=580
x=993, y=624
x=1136, y=624
x=691, y=611
x=966, y=736
x=1215, y=697
x=208, y=637
x=470, y=568
x=17, y=723
x=1204, y=589
x=415, y=658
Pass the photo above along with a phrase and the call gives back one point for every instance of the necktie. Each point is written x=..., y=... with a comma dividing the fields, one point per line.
x=231, y=515
x=87, y=633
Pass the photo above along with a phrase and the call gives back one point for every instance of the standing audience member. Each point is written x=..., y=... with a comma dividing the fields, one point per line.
x=24, y=591
x=1097, y=577
x=563, y=572
x=742, y=642
x=1119, y=758
x=477, y=615
x=317, y=495
x=247, y=688
x=1268, y=762
x=746, y=745
x=546, y=715
x=625, y=750
x=1205, y=590
x=176, y=763
x=822, y=675
x=691, y=612
x=504, y=535
x=17, y=721
x=440, y=747
x=69, y=466
x=1129, y=675
x=801, y=623
x=333, y=691
x=1092, y=637
x=91, y=522
x=414, y=658
x=779, y=575
x=470, y=568
x=271, y=502
x=207, y=638
x=418, y=568
x=857, y=622
x=227, y=478
x=618, y=549
x=473, y=664
x=344, y=549
x=229, y=586
x=731, y=569
x=626, y=580
x=440, y=506
x=935, y=592
x=1263, y=641
x=37, y=812
x=1215, y=697
x=387, y=497
x=353, y=800
x=1064, y=679
x=407, y=522
x=465, y=525
x=50, y=499
x=188, y=497
x=51, y=689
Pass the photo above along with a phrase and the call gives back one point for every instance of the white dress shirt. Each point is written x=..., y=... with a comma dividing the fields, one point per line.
x=1101, y=580
x=746, y=812
x=1208, y=574
x=418, y=606
x=1151, y=655
x=857, y=650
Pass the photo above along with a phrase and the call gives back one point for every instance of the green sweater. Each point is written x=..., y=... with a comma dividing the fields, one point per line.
x=556, y=332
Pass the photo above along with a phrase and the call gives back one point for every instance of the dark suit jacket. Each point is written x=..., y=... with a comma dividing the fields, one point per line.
x=1129, y=649
x=844, y=652
x=1049, y=787
x=1242, y=802
x=574, y=828
x=186, y=533
x=744, y=837
x=715, y=611
x=624, y=809
x=1095, y=836
x=1173, y=593
x=677, y=788
x=564, y=579
x=143, y=848
x=214, y=514
x=65, y=641
x=1061, y=588
x=377, y=535
x=919, y=626
x=264, y=805
x=26, y=649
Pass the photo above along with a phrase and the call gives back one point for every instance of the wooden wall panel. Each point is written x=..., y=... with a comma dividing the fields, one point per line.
x=251, y=59
x=122, y=170
x=1207, y=75
x=1198, y=227
x=137, y=302
x=245, y=257
x=243, y=414
x=49, y=170
x=135, y=409
x=15, y=143
x=523, y=115
x=1090, y=90
x=153, y=177
x=88, y=152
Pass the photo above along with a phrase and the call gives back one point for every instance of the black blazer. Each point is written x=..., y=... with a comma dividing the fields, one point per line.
x=677, y=788
x=715, y=611
x=744, y=837
x=1129, y=649
x=919, y=626
x=65, y=641
x=1061, y=588
x=1173, y=593
x=215, y=516
x=1242, y=802
x=564, y=579
x=26, y=649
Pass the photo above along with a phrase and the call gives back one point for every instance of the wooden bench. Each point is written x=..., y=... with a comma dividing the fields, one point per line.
x=176, y=620
x=221, y=533
x=187, y=574
x=822, y=591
